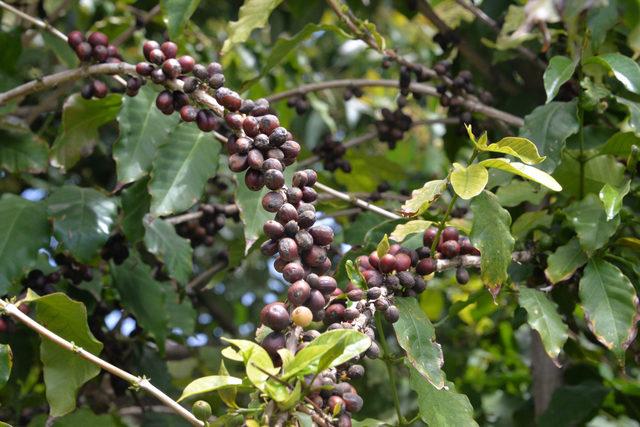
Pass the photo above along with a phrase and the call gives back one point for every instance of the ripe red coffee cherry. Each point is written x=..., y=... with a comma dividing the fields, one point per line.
x=272, y=343
x=279, y=264
x=148, y=46
x=462, y=275
x=429, y=236
x=291, y=149
x=299, y=179
x=272, y=201
x=374, y=260
x=74, y=38
x=169, y=49
x=273, y=229
x=84, y=51
x=157, y=56
x=299, y=292
x=188, y=113
x=164, y=101
x=268, y=123
x=275, y=316
x=273, y=179
x=238, y=145
x=228, y=99
x=334, y=314
x=394, y=249
x=309, y=195
x=254, y=179
x=206, y=121
x=171, y=68
x=387, y=263
x=403, y=262
x=302, y=316
x=316, y=301
x=294, y=195
x=467, y=248
x=269, y=248
x=426, y=266
x=293, y=271
x=100, y=90
x=450, y=248
x=233, y=120
x=144, y=69
x=250, y=126
x=315, y=257
x=288, y=249
x=187, y=63
x=352, y=402
x=450, y=233
x=100, y=53
x=373, y=278
x=255, y=159
x=336, y=404
x=322, y=235
x=327, y=285
x=98, y=39
x=238, y=162
x=363, y=262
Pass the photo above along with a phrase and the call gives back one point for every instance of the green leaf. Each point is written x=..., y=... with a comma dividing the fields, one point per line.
x=558, y=72
x=530, y=221
x=600, y=20
x=610, y=305
x=19, y=249
x=525, y=171
x=6, y=363
x=65, y=372
x=470, y=181
x=517, y=192
x=417, y=336
x=82, y=219
x=142, y=129
x=136, y=202
x=81, y=120
x=590, y=222
x=411, y=227
x=422, y=198
x=252, y=214
x=23, y=152
x=176, y=15
x=354, y=274
x=253, y=14
x=84, y=417
x=330, y=349
x=490, y=234
x=573, y=405
x=634, y=113
x=624, y=69
x=181, y=168
x=257, y=361
x=143, y=296
x=383, y=247
x=549, y=126
x=564, y=262
x=620, y=144
x=521, y=148
x=598, y=171
x=611, y=198
x=442, y=407
x=209, y=384
x=175, y=252
x=542, y=316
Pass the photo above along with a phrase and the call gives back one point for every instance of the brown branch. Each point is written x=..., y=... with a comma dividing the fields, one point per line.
x=358, y=202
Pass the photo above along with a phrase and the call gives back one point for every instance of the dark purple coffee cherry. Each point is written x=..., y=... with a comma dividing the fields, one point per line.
x=228, y=99
x=392, y=282
x=423, y=252
x=278, y=136
x=250, y=126
x=291, y=228
x=157, y=76
x=157, y=56
x=100, y=53
x=327, y=285
x=315, y=257
x=303, y=240
x=100, y=89
x=200, y=72
x=309, y=195
x=273, y=179
x=186, y=63
x=467, y=248
x=275, y=316
x=261, y=142
x=293, y=271
x=429, y=236
x=238, y=145
x=426, y=266
x=334, y=314
x=294, y=195
x=170, y=49
x=406, y=279
x=271, y=164
x=381, y=304
x=98, y=39
x=286, y=213
x=450, y=233
x=164, y=101
x=171, y=68
x=291, y=149
x=180, y=99
x=74, y=38
x=214, y=68
x=144, y=69
x=355, y=294
x=254, y=179
x=355, y=372
x=238, y=162
x=233, y=120
x=190, y=84
x=87, y=91
x=450, y=248
x=299, y=293
x=216, y=81
x=373, y=352
x=272, y=343
x=288, y=249
x=268, y=123
x=273, y=229
x=322, y=235
x=373, y=278
x=148, y=46
x=352, y=402
x=462, y=275
x=189, y=113
x=299, y=179
x=206, y=121
x=316, y=301
x=255, y=159
x=306, y=218
x=84, y=51
x=392, y=314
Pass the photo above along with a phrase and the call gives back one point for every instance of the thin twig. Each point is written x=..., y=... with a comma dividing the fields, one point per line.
x=138, y=382
x=358, y=202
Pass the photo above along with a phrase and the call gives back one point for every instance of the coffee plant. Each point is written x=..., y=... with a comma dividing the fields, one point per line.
x=362, y=213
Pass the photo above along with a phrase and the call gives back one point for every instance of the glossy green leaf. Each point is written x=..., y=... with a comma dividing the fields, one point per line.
x=624, y=69
x=208, y=384
x=542, y=316
x=589, y=220
x=610, y=305
x=84, y=417
x=422, y=198
x=573, y=405
x=518, y=191
x=530, y=221
x=564, y=262
x=598, y=171
x=18, y=249
x=252, y=214
x=469, y=181
x=442, y=407
x=81, y=120
x=634, y=113
x=142, y=129
x=525, y=171
x=136, y=203
x=600, y=20
x=174, y=251
x=6, y=363
x=612, y=197
x=253, y=14
x=82, y=219
x=620, y=144
x=411, y=227
x=176, y=14
x=23, y=152
x=65, y=372
x=181, y=168
x=490, y=233
x=142, y=296
x=256, y=360
x=521, y=148
x=417, y=336
x=549, y=126
x=383, y=247
x=558, y=72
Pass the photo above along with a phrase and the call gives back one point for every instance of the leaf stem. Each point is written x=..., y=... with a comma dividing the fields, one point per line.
x=581, y=158
x=389, y=364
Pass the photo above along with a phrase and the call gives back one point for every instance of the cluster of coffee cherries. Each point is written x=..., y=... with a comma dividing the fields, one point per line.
x=450, y=245
x=392, y=126
x=352, y=91
x=115, y=248
x=68, y=268
x=300, y=103
x=202, y=230
x=331, y=152
x=41, y=283
x=335, y=397
x=93, y=49
x=446, y=40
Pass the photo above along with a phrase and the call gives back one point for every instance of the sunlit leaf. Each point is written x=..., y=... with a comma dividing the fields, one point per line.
x=253, y=14
x=470, y=181
x=521, y=148
x=422, y=198
x=411, y=227
x=624, y=69
x=612, y=197
x=558, y=72
x=176, y=14
x=208, y=384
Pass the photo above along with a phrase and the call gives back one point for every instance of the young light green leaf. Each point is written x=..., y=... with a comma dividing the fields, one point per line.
x=589, y=220
x=65, y=373
x=442, y=407
x=82, y=219
x=6, y=363
x=417, y=336
x=23, y=152
x=176, y=14
x=625, y=69
x=490, y=233
x=136, y=202
x=558, y=72
x=564, y=262
x=610, y=304
x=174, y=251
x=208, y=384
x=422, y=198
x=612, y=197
x=525, y=171
x=257, y=361
x=542, y=316
x=411, y=227
x=383, y=246
x=549, y=126
x=354, y=274
x=181, y=168
x=253, y=14
x=479, y=144
x=470, y=181
x=81, y=120
x=521, y=148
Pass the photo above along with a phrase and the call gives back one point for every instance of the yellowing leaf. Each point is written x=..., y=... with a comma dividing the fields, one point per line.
x=403, y=230
x=521, y=148
x=524, y=171
x=470, y=181
x=422, y=198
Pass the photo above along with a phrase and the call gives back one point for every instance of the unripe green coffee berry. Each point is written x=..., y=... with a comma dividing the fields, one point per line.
x=201, y=410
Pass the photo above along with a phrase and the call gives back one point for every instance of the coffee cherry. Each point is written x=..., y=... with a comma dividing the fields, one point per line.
x=429, y=236
x=420, y=285
x=100, y=53
x=74, y=38
x=336, y=405
x=294, y=195
x=238, y=162
x=302, y=316
x=288, y=249
x=84, y=51
x=144, y=69
x=352, y=402
x=344, y=420
x=298, y=293
x=334, y=314
x=392, y=314
x=216, y=81
x=373, y=278
x=355, y=294
x=98, y=39
x=273, y=179
x=190, y=84
x=261, y=142
x=291, y=149
x=467, y=248
x=186, y=63
x=206, y=121
x=201, y=410
x=299, y=179
x=87, y=91
x=148, y=46
x=381, y=304
x=100, y=90
x=406, y=279
x=275, y=316
x=450, y=233
x=188, y=113
x=169, y=49
x=157, y=76
x=315, y=302
x=268, y=123
x=255, y=159
x=387, y=263
x=171, y=68
x=228, y=99
x=293, y=271
x=322, y=235
x=253, y=179
x=373, y=352
x=426, y=266
x=157, y=56
x=286, y=213
x=327, y=285
x=291, y=228
x=200, y=72
x=164, y=101
x=403, y=262
x=462, y=275
x=450, y=248
x=274, y=342
x=315, y=257
x=273, y=229
x=214, y=68
x=180, y=99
